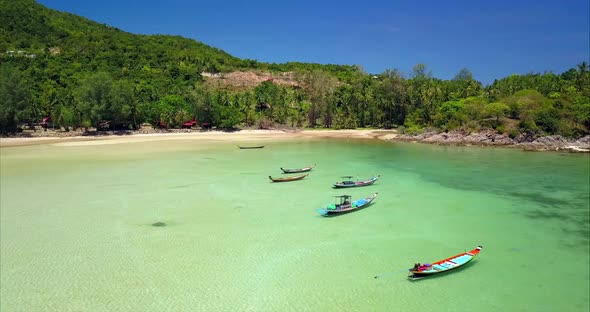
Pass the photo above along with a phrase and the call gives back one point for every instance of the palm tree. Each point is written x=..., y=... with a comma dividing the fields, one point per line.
x=583, y=68
x=582, y=76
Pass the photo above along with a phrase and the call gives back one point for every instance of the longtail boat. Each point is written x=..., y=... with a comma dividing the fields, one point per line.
x=350, y=183
x=287, y=179
x=441, y=266
x=344, y=205
x=298, y=170
x=250, y=147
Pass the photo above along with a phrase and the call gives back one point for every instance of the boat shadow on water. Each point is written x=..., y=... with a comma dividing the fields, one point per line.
x=443, y=274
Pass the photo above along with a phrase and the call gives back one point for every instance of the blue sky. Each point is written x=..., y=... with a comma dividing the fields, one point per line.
x=493, y=39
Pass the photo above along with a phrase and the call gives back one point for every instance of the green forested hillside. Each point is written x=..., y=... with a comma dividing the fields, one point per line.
x=81, y=74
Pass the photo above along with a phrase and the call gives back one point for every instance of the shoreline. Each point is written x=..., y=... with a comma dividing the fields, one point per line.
x=487, y=138
x=553, y=143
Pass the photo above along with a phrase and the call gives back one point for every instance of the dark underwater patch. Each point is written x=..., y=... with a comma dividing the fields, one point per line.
x=540, y=198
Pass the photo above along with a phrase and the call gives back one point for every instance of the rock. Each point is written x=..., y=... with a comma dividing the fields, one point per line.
x=575, y=149
x=490, y=137
x=557, y=142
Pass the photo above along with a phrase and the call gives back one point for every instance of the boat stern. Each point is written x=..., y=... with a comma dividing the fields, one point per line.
x=323, y=212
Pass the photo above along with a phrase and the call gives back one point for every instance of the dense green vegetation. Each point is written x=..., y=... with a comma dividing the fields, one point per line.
x=81, y=74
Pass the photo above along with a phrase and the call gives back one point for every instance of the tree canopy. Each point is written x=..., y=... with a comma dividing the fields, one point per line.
x=85, y=74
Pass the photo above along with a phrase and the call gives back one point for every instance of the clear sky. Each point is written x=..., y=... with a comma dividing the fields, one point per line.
x=493, y=39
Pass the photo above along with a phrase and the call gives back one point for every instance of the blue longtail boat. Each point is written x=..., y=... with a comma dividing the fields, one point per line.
x=344, y=205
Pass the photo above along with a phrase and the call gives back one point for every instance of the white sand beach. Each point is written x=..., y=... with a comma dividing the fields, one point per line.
x=251, y=135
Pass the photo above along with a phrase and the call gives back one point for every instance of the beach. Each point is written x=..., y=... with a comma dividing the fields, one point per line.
x=250, y=135
x=482, y=138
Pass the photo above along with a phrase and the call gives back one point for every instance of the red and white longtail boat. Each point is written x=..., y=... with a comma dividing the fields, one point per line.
x=428, y=269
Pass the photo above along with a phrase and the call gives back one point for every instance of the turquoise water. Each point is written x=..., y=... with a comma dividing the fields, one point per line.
x=76, y=233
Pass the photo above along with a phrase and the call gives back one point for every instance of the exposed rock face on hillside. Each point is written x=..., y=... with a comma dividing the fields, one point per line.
x=250, y=79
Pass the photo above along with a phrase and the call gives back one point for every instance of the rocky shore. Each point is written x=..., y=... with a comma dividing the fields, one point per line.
x=492, y=138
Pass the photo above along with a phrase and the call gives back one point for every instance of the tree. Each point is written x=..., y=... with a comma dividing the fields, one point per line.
x=463, y=75
x=450, y=115
x=583, y=77
x=497, y=110
x=171, y=110
x=230, y=114
x=522, y=103
x=475, y=107
x=319, y=86
x=267, y=96
x=547, y=119
x=419, y=71
x=94, y=96
x=462, y=85
x=391, y=93
x=14, y=98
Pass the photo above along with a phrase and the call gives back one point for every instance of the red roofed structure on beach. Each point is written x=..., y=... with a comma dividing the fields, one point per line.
x=189, y=124
x=45, y=122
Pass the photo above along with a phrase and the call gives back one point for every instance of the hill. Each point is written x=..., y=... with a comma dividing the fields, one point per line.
x=76, y=73
x=29, y=26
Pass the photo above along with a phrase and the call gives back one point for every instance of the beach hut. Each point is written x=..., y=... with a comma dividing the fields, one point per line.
x=189, y=124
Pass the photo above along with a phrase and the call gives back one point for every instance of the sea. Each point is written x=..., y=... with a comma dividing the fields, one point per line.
x=197, y=225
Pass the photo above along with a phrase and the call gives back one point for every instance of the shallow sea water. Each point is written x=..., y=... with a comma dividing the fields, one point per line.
x=76, y=228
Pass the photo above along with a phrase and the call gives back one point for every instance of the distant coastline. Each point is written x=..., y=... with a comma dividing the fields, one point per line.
x=457, y=137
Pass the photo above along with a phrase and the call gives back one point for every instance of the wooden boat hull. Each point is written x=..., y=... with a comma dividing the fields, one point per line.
x=357, y=183
x=332, y=210
x=298, y=170
x=251, y=147
x=288, y=179
x=444, y=265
